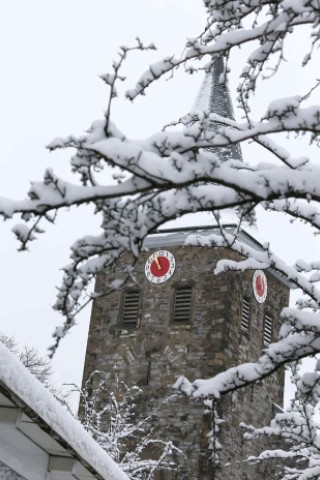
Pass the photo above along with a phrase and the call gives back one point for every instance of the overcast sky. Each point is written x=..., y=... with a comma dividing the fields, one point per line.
x=51, y=54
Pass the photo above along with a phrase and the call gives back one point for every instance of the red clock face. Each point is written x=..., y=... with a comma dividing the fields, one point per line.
x=260, y=286
x=160, y=266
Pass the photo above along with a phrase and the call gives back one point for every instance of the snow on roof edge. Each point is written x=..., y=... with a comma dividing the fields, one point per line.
x=30, y=395
x=177, y=236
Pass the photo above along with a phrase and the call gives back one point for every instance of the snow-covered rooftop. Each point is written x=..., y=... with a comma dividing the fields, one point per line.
x=39, y=439
x=175, y=236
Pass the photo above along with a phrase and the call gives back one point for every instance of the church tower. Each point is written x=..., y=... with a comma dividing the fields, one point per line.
x=178, y=318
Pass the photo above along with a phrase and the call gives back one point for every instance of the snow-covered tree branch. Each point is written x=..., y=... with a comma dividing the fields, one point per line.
x=180, y=171
x=138, y=185
x=295, y=431
x=110, y=413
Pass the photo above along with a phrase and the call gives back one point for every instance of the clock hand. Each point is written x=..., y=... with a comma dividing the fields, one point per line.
x=156, y=259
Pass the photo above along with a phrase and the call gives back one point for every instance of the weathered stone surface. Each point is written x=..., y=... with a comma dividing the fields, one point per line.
x=155, y=352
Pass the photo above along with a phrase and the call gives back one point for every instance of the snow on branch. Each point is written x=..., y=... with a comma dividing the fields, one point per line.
x=296, y=430
x=225, y=31
x=303, y=340
x=179, y=171
x=111, y=414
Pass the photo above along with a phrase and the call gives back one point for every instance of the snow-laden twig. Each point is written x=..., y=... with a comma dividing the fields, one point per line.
x=110, y=413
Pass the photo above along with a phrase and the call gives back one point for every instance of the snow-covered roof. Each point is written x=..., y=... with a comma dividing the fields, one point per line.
x=176, y=236
x=39, y=439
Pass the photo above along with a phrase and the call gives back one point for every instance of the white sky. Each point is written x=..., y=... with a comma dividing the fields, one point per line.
x=51, y=54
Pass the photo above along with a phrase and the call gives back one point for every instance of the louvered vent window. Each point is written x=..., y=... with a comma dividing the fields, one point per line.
x=182, y=305
x=245, y=316
x=267, y=330
x=131, y=307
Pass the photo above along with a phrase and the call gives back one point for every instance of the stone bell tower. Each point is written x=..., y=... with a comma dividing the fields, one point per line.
x=179, y=318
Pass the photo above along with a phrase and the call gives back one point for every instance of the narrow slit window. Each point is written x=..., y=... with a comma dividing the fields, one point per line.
x=131, y=308
x=267, y=330
x=245, y=315
x=182, y=305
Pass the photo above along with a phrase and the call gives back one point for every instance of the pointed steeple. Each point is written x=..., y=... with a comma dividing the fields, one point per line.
x=214, y=96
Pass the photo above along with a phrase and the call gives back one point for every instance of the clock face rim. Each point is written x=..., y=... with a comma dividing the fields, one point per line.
x=260, y=298
x=163, y=278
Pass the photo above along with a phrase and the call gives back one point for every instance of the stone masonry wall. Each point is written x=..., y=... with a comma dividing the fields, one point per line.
x=157, y=351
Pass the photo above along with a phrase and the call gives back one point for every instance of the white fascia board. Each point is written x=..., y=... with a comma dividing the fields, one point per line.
x=67, y=468
x=22, y=455
x=8, y=415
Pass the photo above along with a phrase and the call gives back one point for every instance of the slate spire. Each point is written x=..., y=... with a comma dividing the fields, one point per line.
x=215, y=97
